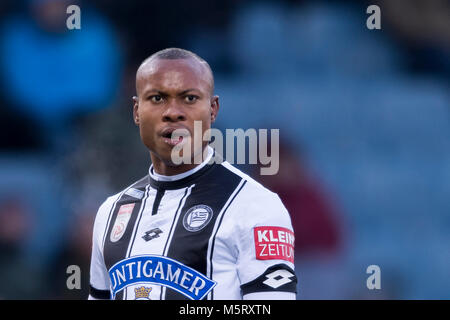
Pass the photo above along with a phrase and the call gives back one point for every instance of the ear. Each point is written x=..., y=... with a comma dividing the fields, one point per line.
x=214, y=108
x=135, y=110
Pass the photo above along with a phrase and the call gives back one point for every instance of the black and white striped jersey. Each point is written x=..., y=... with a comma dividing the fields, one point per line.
x=214, y=233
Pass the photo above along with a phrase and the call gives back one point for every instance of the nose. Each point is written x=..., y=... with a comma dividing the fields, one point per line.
x=173, y=113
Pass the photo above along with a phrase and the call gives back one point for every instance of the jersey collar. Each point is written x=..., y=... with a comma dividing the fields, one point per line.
x=184, y=179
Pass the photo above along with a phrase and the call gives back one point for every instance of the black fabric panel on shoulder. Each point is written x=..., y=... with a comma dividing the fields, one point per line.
x=276, y=278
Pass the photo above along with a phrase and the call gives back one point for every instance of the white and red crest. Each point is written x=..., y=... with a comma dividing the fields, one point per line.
x=120, y=225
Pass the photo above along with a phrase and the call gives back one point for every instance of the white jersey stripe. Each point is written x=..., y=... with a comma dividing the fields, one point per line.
x=209, y=265
x=172, y=228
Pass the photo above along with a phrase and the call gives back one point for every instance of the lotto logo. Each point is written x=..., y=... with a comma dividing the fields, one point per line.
x=274, y=243
x=278, y=278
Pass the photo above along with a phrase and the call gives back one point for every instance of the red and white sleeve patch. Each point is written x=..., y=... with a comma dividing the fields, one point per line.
x=274, y=243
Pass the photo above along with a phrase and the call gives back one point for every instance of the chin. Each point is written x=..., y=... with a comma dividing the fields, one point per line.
x=165, y=156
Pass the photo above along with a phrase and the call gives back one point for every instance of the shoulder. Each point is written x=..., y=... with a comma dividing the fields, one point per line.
x=255, y=204
x=250, y=184
x=108, y=205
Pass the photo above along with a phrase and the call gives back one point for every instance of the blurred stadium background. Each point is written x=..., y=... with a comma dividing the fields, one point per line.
x=364, y=119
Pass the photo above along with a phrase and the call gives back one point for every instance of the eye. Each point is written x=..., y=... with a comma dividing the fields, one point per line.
x=190, y=98
x=155, y=98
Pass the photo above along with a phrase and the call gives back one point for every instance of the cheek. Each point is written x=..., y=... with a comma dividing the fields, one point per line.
x=200, y=123
x=204, y=115
x=147, y=132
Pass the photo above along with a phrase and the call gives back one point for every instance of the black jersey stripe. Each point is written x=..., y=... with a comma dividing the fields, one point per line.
x=139, y=184
x=136, y=226
x=109, y=217
x=233, y=196
x=180, y=204
x=191, y=247
x=158, y=198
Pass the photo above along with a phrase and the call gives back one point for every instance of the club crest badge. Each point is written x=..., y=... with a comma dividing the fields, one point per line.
x=120, y=225
x=197, y=217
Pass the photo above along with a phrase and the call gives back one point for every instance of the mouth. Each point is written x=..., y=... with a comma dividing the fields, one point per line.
x=173, y=142
x=171, y=139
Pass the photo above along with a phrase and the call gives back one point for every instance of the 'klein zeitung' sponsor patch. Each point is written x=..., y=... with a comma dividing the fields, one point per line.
x=274, y=243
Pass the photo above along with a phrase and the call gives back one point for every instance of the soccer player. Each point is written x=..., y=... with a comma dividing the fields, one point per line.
x=188, y=231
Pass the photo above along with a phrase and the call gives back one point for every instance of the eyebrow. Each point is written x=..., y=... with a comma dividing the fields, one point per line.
x=162, y=93
x=187, y=90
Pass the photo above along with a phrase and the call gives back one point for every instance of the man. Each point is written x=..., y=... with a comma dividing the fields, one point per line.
x=188, y=231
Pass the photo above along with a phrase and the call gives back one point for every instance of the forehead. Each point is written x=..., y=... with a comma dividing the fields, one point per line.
x=172, y=75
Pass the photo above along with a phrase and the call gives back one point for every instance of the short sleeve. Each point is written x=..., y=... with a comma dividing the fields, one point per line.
x=99, y=279
x=265, y=245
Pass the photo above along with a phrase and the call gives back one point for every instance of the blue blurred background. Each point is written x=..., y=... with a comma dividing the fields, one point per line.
x=364, y=119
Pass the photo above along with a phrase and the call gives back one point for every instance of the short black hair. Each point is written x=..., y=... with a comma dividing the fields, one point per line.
x=178, y=53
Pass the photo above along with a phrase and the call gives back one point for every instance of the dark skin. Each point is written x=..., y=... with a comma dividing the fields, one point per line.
x=172, y=94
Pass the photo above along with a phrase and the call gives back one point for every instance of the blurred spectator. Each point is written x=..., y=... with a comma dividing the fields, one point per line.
x=315, y=217
x=50, y=77
x=320, y=231
x=77, y=251
x=423, y=27
x=20, y=278
x=149, y=26
x=52, y=73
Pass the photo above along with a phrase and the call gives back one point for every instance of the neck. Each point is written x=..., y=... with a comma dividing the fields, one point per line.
x=165, y=169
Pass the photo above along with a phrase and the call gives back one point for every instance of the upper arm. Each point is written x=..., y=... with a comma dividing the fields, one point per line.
x=265, y=246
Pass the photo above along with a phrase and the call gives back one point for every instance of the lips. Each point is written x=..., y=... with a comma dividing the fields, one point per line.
x=167, y=135
x=173, y=142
